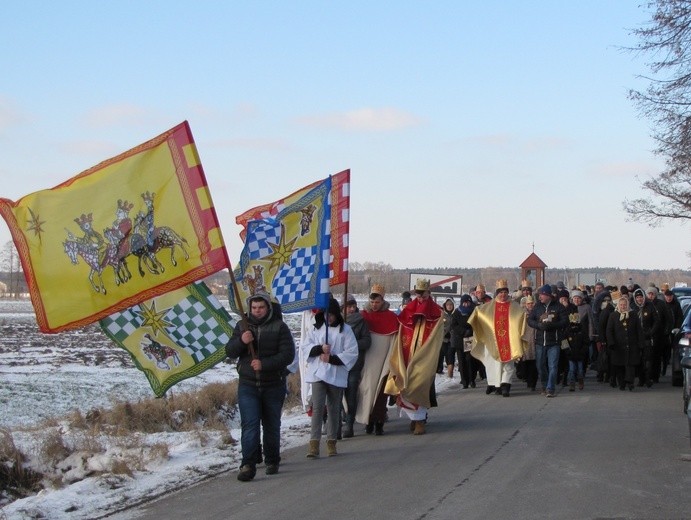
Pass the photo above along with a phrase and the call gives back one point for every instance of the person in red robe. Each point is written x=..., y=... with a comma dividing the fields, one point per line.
x=383, y=326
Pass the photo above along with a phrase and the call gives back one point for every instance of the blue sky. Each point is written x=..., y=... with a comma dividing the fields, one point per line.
x=472, y=129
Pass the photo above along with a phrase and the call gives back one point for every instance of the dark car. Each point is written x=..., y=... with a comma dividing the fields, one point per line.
x=681, y=291
x=686, y=367
x=680, y=345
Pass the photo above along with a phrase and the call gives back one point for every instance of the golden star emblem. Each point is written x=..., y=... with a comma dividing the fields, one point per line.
x=282, y=251
x=153, y=319
x=35, y=224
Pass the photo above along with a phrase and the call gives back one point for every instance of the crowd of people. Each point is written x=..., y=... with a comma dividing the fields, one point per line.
x=359, y=362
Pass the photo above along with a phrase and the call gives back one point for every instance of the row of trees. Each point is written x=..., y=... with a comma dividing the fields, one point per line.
x=363, y=275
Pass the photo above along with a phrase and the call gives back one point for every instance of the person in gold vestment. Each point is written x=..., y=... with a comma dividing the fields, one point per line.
x=498, y=327
x=413, y=363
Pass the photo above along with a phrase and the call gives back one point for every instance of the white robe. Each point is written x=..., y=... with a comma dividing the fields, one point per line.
x=343, y=344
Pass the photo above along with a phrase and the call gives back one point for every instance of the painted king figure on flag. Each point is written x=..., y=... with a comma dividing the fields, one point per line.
x=498, y=327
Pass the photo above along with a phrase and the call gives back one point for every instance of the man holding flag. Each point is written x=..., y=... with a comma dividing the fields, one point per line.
x=265, y=347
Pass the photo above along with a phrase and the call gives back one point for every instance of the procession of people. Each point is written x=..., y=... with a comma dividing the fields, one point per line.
x=362, y=365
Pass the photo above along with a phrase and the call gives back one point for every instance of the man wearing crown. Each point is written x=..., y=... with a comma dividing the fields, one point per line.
x=414, y=360
x=498, y=328
x=91, y=238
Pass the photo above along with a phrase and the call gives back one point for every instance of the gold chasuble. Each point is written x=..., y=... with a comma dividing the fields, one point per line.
x=498, y=327
x=415, y=354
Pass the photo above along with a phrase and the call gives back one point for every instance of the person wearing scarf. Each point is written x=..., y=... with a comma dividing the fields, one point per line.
x=331, y=351
x=625, y=341
x=650, y=323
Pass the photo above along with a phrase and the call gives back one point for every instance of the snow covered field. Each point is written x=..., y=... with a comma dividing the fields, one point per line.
x=47, y=376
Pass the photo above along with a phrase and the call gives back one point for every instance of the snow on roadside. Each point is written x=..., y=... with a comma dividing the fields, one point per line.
x=46, y=376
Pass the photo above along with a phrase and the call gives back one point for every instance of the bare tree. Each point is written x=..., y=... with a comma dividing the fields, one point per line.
x=10, y=263
x=666, y=102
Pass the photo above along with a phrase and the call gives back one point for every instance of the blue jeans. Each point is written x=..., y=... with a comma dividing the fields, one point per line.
x=548, y=365
x=575, y=371
x=260, y=405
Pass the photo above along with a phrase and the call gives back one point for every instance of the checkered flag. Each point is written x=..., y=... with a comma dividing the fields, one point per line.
x=174, y=336
x=294, y=282
x=262, y=232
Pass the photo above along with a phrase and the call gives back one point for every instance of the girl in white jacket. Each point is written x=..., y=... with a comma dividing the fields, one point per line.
x=329, y=358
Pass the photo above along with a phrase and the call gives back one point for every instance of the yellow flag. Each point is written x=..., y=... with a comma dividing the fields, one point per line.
x=133, y=227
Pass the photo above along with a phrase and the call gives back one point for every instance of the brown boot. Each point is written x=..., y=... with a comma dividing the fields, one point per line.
x=313, y=452
x=449, y=370
x=331, y=448
x=419, y=428
x=580, y=385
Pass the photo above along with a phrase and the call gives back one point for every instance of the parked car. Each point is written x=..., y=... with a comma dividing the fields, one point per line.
x=681, y=291
x=680, y=345
x=686, y=366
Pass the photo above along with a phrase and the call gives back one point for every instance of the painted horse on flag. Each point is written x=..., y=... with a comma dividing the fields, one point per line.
x=124, y=238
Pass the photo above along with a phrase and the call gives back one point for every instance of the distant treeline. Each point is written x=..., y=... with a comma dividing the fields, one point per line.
x=363, y=275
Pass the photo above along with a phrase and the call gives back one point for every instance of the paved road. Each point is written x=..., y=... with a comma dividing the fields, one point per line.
x=597, y=453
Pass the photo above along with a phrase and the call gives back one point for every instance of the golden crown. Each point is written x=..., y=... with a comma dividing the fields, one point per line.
x=125, y=205
x=83, y=219
x=501, y=284
x=422, y=284
x=379, y=289
x=148, y=196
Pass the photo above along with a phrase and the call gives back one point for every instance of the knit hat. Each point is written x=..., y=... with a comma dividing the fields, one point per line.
x=334, y=307
x=563, y=294
x=545, y=289
x=350, y=299
x=578, y=294
x=466, y=298
x=652, y=290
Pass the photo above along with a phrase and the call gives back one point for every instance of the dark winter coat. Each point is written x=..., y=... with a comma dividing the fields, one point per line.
x=446, y=317
x=576, y=333
x=625, y=339
x=273, y=345
x=659, y=333
x=549, y=321
x=650, y=323
x=460, y=328
x=602, y=329
x=362, y=335
x=599, y=326
x=674, y=314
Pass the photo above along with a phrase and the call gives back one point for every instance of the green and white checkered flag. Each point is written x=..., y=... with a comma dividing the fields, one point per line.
x=174, y=336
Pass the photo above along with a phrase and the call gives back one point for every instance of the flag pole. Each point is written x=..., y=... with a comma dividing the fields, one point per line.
x=238, y=304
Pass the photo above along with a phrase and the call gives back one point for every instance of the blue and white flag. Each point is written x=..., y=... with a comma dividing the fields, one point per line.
x=288, y=255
